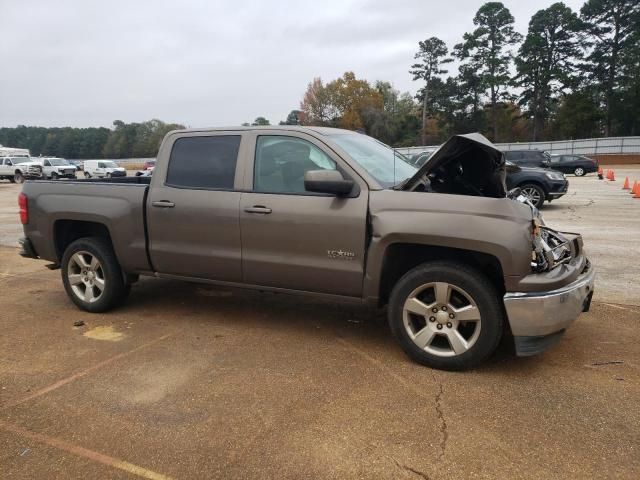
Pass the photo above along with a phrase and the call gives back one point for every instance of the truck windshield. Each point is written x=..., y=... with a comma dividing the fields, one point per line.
x=382, y=162
x=58, y=162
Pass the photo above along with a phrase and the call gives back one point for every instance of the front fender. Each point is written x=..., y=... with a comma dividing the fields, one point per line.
x=499, y=227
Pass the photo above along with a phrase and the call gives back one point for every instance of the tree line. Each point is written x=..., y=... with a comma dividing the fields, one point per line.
x=573, y=75
x=125, y=140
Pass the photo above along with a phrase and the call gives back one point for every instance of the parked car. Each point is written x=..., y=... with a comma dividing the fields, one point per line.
x=149, y=164
x=418, y=159
x=53, y=167
x=330, y=213
x=579, y=165
x=537, y=184
x=103, y=169
x=528, y=158
x=14, y=170
x=145, y=173
x=79, y=164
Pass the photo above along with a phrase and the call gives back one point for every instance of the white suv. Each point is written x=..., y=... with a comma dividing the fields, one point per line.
x=103, y=168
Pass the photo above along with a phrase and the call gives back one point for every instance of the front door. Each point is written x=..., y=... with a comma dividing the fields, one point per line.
x=296, y=239
x=194, y=228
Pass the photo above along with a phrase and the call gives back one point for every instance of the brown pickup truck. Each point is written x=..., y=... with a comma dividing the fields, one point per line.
x=321, y=211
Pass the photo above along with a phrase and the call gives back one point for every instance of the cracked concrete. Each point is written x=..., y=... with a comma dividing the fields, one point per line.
x=443, y=422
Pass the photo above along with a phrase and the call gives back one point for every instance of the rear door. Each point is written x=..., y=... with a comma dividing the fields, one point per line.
x=193, y=206
x=296, y=239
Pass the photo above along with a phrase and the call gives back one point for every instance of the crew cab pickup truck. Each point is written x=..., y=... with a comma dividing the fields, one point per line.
x=325, y=212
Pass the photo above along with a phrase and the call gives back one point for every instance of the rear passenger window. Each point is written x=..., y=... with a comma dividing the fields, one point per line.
x=204, y=162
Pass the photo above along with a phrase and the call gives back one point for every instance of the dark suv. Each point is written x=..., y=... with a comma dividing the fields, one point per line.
x=528, y=158
x=539, y=184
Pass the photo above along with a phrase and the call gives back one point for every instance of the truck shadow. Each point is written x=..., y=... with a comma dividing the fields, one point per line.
x=307, y=319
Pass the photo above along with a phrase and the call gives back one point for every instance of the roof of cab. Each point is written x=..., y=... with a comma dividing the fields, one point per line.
x=298, y=128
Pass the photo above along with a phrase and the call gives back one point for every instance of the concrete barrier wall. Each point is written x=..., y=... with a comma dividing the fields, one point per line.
x=616, y=159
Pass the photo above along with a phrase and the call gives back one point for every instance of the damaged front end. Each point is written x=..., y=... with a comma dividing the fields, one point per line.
x=550, y=248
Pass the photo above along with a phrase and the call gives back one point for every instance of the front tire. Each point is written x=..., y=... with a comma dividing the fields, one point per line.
x=579, y=172
x=54, y=176
x=535, y=193
x=11, y=179
x=92, y=276
x=87, y=175
x=18, y=177
x=446, y=315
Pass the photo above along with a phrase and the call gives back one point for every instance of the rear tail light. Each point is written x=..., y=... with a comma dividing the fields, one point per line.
x=23, y=203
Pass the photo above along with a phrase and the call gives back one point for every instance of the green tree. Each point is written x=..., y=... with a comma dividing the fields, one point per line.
x=432, y=53
x=294, y=118
x=578, y=115
x=546, y=61
x=487, y=52
x=260, y=121
x=612, y=26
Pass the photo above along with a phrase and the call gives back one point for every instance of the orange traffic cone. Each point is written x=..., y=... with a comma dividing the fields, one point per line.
x=626, y=184
x=635, y=186
x=637, y=191
x=600, y=173
x=611, y=176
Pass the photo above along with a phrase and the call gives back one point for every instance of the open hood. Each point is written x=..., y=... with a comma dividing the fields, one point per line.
x=465, y=164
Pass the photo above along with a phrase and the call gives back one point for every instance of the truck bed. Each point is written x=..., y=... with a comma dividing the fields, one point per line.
x=117, y=203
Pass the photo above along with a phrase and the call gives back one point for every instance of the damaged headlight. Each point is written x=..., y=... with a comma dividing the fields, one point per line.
x=550, y=248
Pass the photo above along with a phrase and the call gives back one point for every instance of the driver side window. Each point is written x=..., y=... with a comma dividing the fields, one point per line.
x=281, y=162
x=47, y=163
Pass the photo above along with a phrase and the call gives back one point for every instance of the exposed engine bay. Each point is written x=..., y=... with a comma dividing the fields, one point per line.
x=464, y=165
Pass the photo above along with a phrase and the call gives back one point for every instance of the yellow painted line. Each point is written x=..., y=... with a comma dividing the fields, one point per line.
x=84, y=372
x=83, y=452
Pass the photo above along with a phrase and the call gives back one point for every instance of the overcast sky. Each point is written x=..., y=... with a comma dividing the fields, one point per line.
x=208, y=63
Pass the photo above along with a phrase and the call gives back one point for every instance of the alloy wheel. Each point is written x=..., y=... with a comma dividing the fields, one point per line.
x=532, y=194
x=442, y=319
x=86, y=276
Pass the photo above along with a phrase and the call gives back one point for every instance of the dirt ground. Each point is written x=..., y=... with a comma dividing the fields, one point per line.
x=193, y=381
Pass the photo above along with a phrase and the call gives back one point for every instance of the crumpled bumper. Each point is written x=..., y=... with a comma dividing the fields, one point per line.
x=537, y=319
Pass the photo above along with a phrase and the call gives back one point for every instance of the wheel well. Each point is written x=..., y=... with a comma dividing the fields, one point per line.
x=399, y=258
x=67, y=231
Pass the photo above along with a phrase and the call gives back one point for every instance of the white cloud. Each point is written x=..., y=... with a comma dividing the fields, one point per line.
x=207, y=62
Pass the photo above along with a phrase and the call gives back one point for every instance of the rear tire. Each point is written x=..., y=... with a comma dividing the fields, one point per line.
x=92, y=276
x=467, y=324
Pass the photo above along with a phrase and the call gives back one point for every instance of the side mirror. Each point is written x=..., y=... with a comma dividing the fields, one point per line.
x=327, y=181
x=545, y=164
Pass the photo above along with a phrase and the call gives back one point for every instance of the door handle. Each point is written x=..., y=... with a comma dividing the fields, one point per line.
x=258, y=209
x=163, y=204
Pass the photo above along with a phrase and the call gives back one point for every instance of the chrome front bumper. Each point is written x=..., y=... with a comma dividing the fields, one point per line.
x=540, y=314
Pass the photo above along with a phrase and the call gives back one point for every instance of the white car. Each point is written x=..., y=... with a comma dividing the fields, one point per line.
x=102, y=169
x=52, y=167
x=14, y=169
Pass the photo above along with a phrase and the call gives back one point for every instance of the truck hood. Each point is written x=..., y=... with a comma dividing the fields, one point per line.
x=465, y=165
